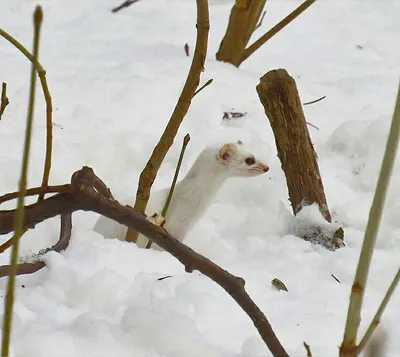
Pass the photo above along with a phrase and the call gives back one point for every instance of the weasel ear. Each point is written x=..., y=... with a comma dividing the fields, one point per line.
x=239, y=142
x=224, y=153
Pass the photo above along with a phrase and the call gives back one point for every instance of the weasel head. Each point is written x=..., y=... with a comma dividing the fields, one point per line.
x=240, y=162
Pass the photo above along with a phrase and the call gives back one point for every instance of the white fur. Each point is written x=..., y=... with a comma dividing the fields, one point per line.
x=193, y=194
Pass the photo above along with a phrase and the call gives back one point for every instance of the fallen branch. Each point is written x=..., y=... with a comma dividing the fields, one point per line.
x=82, y=196
x=149, y=173
x=4, y=99
x=123, y=5
x=61, y=245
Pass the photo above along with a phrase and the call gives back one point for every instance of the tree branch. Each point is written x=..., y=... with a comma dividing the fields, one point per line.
x=149, y=173
x=49, y=105
x=82, y=196
x=4, y=99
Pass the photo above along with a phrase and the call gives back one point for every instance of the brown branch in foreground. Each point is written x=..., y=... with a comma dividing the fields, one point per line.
x=82, y=196
x=4, y=99
x=62, y=244
x=149, y=173
x=123, y=5
x=308, y=349
x=278, y=27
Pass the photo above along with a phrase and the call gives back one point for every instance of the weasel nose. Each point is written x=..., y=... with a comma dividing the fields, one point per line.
x=265, y=168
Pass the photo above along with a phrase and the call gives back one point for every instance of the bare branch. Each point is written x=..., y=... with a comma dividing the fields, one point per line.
x=308, y=349
x=261, y=21
x=35, y=191
x=123, y=5
x=49, y=105
x=62, y=244
x=348, y=347
x=83, y=197
x=4, y=99
x=149, y=173
x=315, y=101
x=278, y=27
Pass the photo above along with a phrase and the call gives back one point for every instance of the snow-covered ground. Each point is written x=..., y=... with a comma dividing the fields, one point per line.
x=115, y=79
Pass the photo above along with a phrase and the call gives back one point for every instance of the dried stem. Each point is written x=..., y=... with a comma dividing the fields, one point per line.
x=19, y=216
x=149, y=173
x=186, y=140
x=315, y=101
x=377, y=318
x=308, y=349
x=49, y=105
x=123, y=5
x=261, y=20
x=83, y=196
x=4, y=99
x=278, y=27
x=203, y=86
x=348, y=347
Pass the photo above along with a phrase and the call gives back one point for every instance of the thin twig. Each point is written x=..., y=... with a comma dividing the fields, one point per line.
x=123, y=5
x=186, y=140
x=203, y=86
x=278, y=27
x=261, y=21
x=377, y=318
x=308, y=349
x=149, y=173
x=34, y=191
x=4, y=99
x=19, y=219
x=315, y=101
x=49, y=105
x=348, y=346
x=308, y=123
x=62, y=244
x=82, y=196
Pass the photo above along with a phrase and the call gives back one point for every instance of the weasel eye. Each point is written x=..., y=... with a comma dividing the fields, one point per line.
x=225, y=156
x=250, y=161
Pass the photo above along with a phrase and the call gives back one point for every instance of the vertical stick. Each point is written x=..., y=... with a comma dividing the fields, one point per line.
x=19, y=219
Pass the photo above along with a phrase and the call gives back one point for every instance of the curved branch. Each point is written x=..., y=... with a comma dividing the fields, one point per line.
x=49, y=105
x=62, y=244
x=82, y=196
x=149, y=173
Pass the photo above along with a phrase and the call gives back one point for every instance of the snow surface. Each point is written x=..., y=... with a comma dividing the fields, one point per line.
x=115, y=79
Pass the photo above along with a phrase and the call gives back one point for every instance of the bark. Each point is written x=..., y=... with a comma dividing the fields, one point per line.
x=278, y=94
x=242, y=22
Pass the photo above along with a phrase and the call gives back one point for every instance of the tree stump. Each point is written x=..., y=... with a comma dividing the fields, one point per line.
x=278, y=94
x=242, y=22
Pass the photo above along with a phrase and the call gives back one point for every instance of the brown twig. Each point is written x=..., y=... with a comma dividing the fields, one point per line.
x=62, y=244
x=315, y=101
x=149, y=173
x=123, y=5
x=308, y=123
x=261, y=20
x=34, y=191
x=203, y=86
x=82, y=196
x=4, y=99
x=308, y=349
x=278, y=27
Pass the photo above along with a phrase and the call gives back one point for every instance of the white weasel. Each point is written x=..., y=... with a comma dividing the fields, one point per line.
x=194, y=193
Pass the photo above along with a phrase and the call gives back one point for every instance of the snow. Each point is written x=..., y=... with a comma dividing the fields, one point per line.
x=115, y=79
